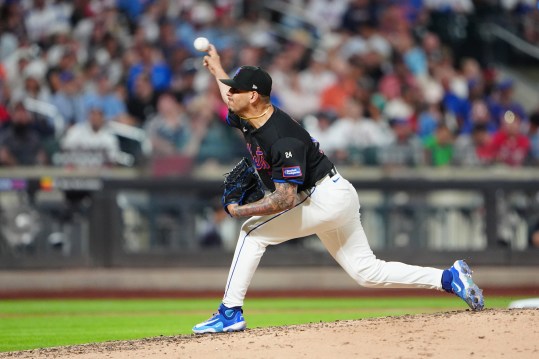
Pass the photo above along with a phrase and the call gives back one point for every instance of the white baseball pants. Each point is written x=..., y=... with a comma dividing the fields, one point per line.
x=331, y=211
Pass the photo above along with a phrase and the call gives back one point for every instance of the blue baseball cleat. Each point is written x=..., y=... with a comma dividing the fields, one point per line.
x=463, y=285
x=225, y=320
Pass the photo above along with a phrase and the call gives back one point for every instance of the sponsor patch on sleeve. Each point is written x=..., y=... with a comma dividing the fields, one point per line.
x=292, y=172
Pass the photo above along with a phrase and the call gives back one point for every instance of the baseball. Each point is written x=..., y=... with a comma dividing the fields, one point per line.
x=201, y=44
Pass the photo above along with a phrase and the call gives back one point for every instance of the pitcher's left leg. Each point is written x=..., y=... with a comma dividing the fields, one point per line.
x=256, y=234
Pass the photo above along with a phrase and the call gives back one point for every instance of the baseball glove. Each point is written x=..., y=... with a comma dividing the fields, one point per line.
x=242, y=185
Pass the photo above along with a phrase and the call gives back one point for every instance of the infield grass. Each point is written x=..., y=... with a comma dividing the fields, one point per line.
x=30, y=324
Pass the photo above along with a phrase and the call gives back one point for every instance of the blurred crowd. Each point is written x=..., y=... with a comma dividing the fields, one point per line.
x=376, y=83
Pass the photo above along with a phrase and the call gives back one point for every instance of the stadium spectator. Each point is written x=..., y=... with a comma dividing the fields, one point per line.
x=358, y=136
x=370, y=100
x=152, y=64
x=224, y=29
x=219, y=143
x=405, y=106
x=40, y=20
x=475, y=109
x=439, y=146
x=167, y=41
x=298, y=100
x=400, y=49
x=393, y=81
x=109, y=56
x=33, y=88
x=13, y=22
x=15, y=64
x=509, y=145
x=428, y=119
x=503, y=100
x=334, y=97
x=91, y=142
x=413, y=55
x=170, y=129
x=327, y=16
x=434, y=52
x=111, y=103
x=405, y=150
x=358, y=13
x=282, y=66
x=316, y=76
x=20, y=142
x=53, y=81
x=454, y=100
x=133, y=9
x=142, y=103
x=530, y=24
x=474, y=149
x=185, y=83
x=68, y=99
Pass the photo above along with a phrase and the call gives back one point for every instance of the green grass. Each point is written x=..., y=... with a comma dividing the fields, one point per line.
x=30, y=324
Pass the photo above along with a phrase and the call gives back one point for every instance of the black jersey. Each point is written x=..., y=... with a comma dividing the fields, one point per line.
x=283, y=151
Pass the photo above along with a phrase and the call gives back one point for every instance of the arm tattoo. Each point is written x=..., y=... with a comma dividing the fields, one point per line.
x=282, y=199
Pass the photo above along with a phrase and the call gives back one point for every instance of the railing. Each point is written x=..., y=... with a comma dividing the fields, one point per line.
x=513, y=40
x=420, y=217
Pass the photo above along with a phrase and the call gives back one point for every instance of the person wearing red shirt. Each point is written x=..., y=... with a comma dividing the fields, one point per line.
x=509, y=145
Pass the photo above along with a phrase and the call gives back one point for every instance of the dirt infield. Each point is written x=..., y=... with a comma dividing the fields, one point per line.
x=459, y=334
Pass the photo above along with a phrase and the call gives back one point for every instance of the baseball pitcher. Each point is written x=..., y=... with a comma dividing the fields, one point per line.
x=307, y=196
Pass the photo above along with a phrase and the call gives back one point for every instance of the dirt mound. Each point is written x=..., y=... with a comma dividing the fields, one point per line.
x=488, y=334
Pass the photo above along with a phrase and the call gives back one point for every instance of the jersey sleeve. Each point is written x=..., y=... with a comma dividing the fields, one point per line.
x=288, y=157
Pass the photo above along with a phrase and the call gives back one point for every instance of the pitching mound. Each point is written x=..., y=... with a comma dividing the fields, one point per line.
x=489, y=334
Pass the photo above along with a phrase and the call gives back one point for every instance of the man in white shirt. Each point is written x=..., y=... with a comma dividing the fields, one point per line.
x=93, y=136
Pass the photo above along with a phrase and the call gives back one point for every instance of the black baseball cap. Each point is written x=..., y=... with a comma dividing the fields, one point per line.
x=250, y=78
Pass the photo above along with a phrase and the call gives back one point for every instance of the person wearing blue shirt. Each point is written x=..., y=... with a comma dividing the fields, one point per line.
x=150, y=63
x=111, y=104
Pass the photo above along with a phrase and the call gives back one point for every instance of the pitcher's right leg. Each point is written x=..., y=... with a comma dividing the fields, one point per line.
x=349, y=246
